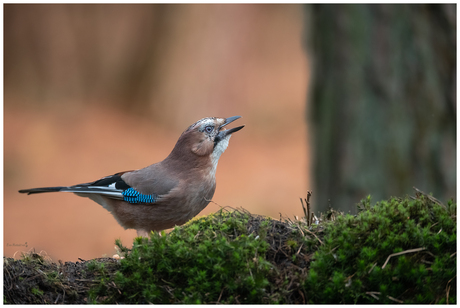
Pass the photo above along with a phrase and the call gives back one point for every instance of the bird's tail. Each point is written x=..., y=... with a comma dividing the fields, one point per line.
x=42, y=190
x=78, y=189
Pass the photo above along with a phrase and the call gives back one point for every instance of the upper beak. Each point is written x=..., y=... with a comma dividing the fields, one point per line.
x=226, y=132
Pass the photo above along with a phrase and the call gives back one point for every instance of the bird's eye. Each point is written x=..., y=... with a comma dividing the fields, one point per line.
x=209, y=129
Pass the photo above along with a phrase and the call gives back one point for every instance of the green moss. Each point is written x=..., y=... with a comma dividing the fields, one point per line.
x=36, y=291
x=396, y=251
x=358, y=247
x=201, y=262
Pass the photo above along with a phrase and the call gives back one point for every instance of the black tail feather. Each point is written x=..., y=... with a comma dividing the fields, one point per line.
x=41, y=190
x=78, y=189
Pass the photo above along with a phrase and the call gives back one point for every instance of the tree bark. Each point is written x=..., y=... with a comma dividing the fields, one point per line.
x=383, y=101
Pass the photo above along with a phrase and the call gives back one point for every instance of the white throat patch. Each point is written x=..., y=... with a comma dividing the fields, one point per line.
x=218, y=150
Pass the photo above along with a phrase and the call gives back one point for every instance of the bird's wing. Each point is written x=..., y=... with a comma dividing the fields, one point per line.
x=156, y=179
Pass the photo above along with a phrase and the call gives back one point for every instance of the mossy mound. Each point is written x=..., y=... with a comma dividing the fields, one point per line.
x=36, y=280
x=397, y=251
x=221, y=258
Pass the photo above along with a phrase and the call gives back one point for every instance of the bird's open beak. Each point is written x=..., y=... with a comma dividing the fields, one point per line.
x=227, y=132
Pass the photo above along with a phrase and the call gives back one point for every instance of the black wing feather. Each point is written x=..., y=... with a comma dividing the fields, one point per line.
x=109, y=180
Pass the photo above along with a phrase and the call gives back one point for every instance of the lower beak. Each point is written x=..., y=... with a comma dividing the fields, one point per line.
x=226, y=132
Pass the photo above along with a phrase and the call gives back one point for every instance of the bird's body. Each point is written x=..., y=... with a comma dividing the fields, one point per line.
x=167, y=193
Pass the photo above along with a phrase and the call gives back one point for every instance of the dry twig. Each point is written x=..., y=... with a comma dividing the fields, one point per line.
x=373, y=294
x=372, y=268
x=402, y=253
x=315, y=236
x=394, y=299
x=306, y=207
x=448, y=289
x=431, y=198
x=447, y=295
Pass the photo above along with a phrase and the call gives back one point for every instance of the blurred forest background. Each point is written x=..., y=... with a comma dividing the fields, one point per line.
x=90, y=90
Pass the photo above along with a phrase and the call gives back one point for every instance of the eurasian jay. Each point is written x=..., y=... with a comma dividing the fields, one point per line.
x=167, y=193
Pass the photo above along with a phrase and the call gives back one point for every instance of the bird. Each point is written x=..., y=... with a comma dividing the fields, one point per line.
x=165, y=194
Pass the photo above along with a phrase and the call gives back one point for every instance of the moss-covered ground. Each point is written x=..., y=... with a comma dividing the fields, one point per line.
x=402, y=250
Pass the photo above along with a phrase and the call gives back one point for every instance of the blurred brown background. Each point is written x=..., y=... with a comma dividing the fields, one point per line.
x=90, y=90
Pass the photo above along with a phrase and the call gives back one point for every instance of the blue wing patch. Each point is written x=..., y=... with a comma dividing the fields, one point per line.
x=133, y=196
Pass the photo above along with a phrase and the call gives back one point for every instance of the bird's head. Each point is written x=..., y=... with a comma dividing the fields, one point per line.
x=207, y=137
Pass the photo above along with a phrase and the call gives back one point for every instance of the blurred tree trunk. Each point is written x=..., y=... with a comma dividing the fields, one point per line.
x=383, y=101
